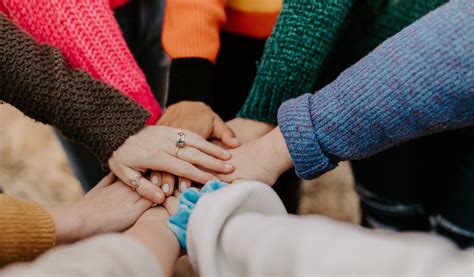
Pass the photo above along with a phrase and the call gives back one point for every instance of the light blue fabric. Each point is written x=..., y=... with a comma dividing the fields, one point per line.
x=178, y=223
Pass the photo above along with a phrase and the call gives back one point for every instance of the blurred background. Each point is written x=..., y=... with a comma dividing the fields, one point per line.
x=33, y=166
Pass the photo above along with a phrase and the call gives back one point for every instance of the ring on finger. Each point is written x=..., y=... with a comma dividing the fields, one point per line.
x=135, y=183
x=176, y=152
x=180, y=140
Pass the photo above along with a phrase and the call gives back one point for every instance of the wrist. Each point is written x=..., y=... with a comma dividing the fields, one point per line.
x=161, y=241
x=69, y=225
x=278, y=151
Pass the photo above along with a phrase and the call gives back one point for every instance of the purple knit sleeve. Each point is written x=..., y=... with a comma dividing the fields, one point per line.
x=420, y=81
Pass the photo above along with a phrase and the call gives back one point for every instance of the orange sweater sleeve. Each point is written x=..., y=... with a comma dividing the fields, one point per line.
x=27, y=230
x=191, y=28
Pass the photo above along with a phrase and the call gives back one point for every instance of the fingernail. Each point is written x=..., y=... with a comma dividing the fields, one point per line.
x=183, y=186
x=227, y=153
x=228, y=166
x=154, y=180
x=235, y=140
x=158, y=197
x=165, y=188
x=154, y=204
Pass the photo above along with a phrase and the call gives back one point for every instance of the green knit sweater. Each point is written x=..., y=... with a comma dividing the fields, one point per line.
x=314, y=40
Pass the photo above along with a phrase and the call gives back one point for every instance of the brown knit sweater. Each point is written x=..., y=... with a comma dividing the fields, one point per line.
x=35, y=79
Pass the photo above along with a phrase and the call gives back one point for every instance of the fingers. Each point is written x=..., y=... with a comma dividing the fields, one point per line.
x=145, y=188
x=183, y=184
x=196, y=157
x=106, y=181
x=180, y=168
x=224, y=133
x=171, y=205
x=205, y=146
x=155, y=178
x=167, y=184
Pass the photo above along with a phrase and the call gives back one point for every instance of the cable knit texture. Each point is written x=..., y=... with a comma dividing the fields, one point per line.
x=308, y=33
x=90, y=39
x=27, y=230
x=419, y=82
x=36, y=80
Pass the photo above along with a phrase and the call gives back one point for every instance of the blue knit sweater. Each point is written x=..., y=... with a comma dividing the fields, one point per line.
x=418, y=82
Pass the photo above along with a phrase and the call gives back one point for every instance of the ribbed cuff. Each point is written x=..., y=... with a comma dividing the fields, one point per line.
x=294, y=53
x=294, y=119
x=191, y=79
x=27, y=230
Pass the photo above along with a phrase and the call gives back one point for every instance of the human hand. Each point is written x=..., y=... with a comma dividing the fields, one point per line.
x=155, y=148
x=199, y=118
x=108, y=207
x=152, y=231
x=247, y=130
x=263, y=159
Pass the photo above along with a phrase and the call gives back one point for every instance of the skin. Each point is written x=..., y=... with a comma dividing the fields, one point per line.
x=263, y=159
x=110, y=207
x=154, y=148
x=152, y=231
x=248, y=130
x=199, y=118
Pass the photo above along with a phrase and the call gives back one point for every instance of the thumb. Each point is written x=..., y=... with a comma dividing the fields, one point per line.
x=222, y=132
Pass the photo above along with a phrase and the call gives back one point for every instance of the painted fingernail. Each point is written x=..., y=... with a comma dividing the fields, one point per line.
x=183, y=186
x=154, y=204
x=158, y=197
x=165, y=188
x=154, y=180
x=228, y=166
x=227, y=153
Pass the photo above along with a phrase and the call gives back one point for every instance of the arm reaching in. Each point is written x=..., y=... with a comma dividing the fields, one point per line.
x=416, y=83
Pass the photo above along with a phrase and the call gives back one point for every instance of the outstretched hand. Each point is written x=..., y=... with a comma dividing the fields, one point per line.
x=263, y=159
x=199, y=118
x=154, y=148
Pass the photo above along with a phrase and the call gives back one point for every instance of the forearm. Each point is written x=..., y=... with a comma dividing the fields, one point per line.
x=416, y=83
x=27, y=230
x=89, y=37
x=104, y=255
x=162, y=243
x=36, y=80
x=300, y=41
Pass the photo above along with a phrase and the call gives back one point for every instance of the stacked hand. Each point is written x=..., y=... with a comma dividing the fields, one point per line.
x=151, y=161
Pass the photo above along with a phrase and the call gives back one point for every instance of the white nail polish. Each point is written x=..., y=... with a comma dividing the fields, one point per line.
x=165, y=188
x=183, y=186
x=154, y=180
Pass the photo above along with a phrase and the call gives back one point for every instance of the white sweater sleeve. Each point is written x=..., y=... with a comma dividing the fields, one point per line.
x=104, y=255
x=244, y=230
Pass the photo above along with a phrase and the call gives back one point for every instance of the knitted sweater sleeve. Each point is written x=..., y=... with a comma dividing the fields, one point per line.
x=301, y=40
x=36, y=80
x=90, y=39
x=191, y=38
x=27, y=230
x=419, y=82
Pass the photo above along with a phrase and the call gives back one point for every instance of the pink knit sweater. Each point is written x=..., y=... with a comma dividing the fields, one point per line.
x=90, y=39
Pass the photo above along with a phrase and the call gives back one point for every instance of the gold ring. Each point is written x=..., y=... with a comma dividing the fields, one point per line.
x=176, y=152
x=135, y=183
x=180, y=142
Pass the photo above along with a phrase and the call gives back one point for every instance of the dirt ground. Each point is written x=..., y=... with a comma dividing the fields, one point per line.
x=33, y=166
